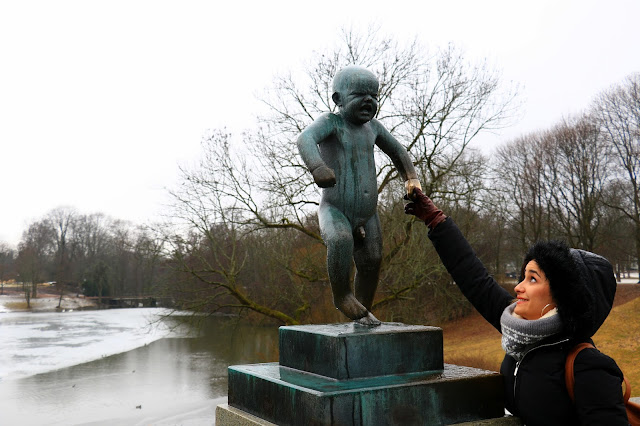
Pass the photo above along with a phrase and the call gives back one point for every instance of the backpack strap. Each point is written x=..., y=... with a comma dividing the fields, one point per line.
x=569, y=379
x=627, y=389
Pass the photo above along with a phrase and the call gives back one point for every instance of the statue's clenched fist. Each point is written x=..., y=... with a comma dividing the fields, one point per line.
x=324, y=177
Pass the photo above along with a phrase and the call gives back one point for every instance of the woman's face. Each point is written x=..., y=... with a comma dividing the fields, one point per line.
x=534, y=293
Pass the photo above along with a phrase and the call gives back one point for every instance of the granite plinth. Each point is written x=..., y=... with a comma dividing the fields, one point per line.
x=347, y=374
x=286, y=396
x=349, y=350
x=229, y=416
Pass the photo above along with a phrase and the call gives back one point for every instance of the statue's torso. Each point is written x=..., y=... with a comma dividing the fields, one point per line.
x=350, y=153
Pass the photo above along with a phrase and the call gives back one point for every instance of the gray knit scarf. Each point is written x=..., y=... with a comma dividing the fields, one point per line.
x=518, y=334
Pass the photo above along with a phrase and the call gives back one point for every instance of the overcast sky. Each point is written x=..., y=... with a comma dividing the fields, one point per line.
x=100, y=101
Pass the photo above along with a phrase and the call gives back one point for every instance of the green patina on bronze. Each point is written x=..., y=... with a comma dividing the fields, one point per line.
x=348, y=350
x=288, y=397
x=352, y=373
x=338, y=150
x=348, y=374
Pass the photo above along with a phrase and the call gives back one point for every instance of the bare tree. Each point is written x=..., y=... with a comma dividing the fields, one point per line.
x=616, y=228
x=206, y=241
x=577, y=176
x=34, y=255
x=618, y=111
x=92, y=243
x=62, y=221
x=433, y=103
x=436, y=104
x=120, y=256
x=94, y=252
x=147, y=256
x=6, y=264
x=520, y=170
x=554, y=184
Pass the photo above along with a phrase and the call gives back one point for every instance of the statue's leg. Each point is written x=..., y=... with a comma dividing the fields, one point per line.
x=368, y=257
x=338, y=237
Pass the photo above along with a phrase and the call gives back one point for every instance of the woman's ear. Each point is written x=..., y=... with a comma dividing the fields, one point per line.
x=336, y=98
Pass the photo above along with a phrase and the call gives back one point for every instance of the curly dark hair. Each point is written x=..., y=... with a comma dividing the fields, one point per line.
x=572, y=298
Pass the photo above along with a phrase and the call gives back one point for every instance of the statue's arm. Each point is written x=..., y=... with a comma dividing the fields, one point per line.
x=323, y=127
x=398, y=154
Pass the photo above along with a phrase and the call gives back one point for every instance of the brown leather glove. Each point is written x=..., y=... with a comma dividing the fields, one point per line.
x=423, y=208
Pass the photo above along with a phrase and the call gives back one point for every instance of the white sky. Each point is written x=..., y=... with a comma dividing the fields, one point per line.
x=100, y=101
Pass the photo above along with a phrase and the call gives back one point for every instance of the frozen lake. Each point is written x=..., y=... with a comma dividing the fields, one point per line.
x=120, y=366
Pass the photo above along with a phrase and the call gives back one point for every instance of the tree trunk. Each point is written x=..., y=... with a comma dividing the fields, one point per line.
x=638, y=250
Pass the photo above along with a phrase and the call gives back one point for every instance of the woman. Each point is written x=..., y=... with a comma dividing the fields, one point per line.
x=564, y=297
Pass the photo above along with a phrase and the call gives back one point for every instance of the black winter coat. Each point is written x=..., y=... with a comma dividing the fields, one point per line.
x=535, y=388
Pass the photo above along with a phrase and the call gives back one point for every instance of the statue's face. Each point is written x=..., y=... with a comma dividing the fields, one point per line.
x=359, y=98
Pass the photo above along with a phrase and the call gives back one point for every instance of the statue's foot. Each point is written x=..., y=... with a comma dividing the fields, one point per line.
x=369, y=320
x=353, y=309
x=350, y=306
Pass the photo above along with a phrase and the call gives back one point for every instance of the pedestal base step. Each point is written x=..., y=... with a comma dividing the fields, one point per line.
x=287, y=396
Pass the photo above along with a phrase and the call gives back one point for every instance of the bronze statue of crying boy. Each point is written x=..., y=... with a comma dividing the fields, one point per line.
x=338, y=150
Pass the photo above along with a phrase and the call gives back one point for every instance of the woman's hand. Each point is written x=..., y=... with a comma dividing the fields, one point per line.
x=423, y=208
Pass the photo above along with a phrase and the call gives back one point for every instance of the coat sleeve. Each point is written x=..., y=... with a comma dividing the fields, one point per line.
x=598, y=390
x=468, y=272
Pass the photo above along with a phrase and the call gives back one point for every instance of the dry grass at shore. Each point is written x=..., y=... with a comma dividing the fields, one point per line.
x=472, y=341
x=47, y=301
x=16, y=306
x=619, y=337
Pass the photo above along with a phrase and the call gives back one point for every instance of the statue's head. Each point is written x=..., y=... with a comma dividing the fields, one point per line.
x=355, y=92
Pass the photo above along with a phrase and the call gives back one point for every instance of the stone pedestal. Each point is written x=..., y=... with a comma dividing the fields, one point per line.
x=346, y=374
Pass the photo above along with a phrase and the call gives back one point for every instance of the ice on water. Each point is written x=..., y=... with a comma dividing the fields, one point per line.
x=34, y=343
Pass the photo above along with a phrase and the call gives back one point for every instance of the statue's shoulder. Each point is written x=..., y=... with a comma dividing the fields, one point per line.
x=378, y=129
x=328, y=119
x=333, y=117
x=375, y=124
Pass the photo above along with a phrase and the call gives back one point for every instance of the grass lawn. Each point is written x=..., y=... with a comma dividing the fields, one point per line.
x=471, y=341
